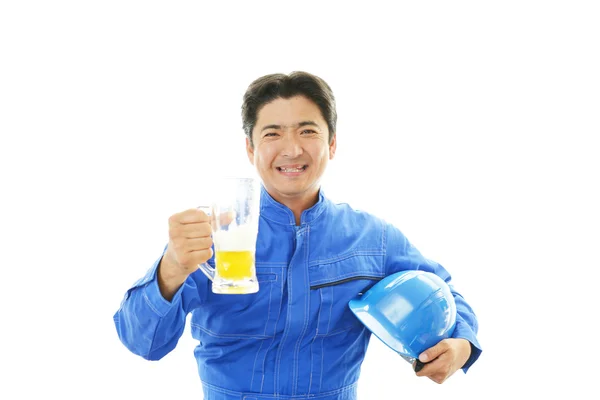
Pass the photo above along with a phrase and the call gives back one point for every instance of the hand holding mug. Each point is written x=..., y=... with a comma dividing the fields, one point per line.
x=190, y=244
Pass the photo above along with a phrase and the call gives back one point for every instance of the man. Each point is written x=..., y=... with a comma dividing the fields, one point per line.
x=296, y=336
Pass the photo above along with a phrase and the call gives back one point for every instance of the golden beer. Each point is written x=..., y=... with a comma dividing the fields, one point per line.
x=235, y=265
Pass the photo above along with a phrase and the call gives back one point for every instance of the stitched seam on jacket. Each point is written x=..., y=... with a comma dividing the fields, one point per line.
x=271, y=264
x=228, y=335
x=278, y=222
x=305, y=242
x=335, y=332
x=345, y=256
x=268, y=310
x=311, y=348
x=281, y=208
x=322, y=363
x=262, y=342
x=287, y=323
x=150, y=303
x=273, y=339
x=254, y=365
x=241, y=394
x=272, y=276
x=330, y=309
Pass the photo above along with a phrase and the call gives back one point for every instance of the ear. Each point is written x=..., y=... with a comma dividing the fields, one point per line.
x=249, y=151
x=332, y=147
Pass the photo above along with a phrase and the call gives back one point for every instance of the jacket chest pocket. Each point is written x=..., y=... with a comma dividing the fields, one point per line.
x=333, y=285
x=243, y=316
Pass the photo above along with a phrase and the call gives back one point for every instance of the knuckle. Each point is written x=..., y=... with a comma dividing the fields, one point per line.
x=204, y=254
x=196, y=244
x=207, y=253
x=205, y=228
x=202, y=215
x=174, y=231
x=203, y=244
x=174, y=219
x=184, y=247
x=199, y=244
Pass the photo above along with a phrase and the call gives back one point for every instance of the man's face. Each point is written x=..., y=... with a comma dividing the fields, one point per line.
x=291, y=148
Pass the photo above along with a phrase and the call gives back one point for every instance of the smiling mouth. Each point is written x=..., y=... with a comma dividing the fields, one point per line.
x=292, y=169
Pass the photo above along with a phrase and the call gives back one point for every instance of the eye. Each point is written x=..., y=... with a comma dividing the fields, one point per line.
x=308, y=132
x=270, y=134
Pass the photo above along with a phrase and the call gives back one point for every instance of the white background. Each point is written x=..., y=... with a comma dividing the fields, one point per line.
x=472, y=125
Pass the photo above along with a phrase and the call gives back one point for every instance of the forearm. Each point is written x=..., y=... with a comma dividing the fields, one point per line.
x=168, y=281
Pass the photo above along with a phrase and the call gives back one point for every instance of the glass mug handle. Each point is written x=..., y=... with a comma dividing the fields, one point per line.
x=205, y=267
x=207, y=270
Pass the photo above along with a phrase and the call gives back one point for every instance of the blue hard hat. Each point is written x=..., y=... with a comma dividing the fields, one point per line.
x=409, y=311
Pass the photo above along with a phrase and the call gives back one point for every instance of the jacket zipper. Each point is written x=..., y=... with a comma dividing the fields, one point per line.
x=371, y=278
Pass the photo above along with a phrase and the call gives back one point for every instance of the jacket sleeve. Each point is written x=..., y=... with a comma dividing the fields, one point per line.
x=401, y=255
x=149, y=325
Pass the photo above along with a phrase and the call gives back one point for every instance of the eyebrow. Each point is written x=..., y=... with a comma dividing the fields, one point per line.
x=298, y=125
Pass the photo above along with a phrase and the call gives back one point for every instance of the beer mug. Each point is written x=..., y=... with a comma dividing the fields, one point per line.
x=234, y=219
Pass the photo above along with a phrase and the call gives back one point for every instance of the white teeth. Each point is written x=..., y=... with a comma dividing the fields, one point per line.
x=291, y=169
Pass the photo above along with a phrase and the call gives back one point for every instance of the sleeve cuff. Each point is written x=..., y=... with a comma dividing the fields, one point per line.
x=464, y=331
x=475, y=353
x=155, y=299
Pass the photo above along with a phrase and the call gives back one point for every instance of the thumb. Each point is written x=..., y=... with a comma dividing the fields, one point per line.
x=432, y=352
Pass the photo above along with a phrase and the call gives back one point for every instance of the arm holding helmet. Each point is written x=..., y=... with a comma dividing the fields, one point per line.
x=462, y=349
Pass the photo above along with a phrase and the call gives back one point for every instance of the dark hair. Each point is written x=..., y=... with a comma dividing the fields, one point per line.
x=270, y=87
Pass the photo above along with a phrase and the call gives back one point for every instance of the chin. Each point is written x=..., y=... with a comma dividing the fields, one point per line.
x=289, y=190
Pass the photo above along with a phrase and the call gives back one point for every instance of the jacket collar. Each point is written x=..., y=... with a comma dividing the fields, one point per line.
x=274, y=211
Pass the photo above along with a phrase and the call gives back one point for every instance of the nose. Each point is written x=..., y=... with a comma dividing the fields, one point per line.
x=292, y=147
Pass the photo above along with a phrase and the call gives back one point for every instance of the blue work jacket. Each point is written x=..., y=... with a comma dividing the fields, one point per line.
x=296, y=338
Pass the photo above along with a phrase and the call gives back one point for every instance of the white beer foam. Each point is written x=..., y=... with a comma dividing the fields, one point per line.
x=236, y=238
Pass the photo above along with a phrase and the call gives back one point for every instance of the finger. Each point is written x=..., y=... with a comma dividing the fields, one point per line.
x=192, y=245
x=436, y=368
x=193, y=258
x=434, y=352
x=201, y=256
x=190, y=216
x=194, y=231
x=189, y=231
x=225, y=219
